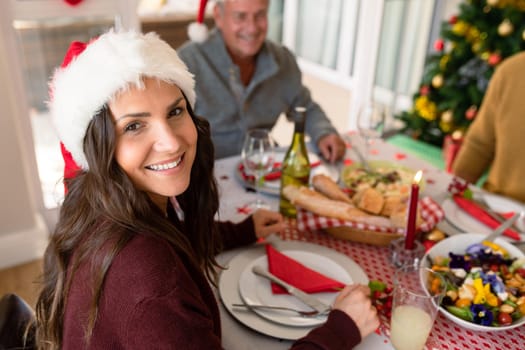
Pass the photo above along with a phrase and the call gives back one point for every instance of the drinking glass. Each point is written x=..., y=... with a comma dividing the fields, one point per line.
x=258, y=159
x=371, y=122
x=417, y=294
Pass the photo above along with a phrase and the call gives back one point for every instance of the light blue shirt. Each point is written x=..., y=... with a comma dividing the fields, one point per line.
x=232, y=108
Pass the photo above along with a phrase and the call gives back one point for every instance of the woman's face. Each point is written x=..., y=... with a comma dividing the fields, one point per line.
x=156, y=139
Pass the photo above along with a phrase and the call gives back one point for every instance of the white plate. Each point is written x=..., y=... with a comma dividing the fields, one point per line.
x=229, y=282
x=466, y=223
x=274, y=186
x=257, y=290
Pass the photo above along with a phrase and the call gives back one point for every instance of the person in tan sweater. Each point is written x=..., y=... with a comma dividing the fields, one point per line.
x=495, y=140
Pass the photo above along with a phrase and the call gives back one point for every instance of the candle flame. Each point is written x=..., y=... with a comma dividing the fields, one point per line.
x=418, y=176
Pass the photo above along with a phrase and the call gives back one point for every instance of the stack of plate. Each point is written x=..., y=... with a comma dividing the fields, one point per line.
x=237, y=284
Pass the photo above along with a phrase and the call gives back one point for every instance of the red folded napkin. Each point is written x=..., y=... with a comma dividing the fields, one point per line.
x=480, y=214
x=275, y=174
x=298, y=275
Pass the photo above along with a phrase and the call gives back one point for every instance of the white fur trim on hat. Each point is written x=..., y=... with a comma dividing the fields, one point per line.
x=107, y=65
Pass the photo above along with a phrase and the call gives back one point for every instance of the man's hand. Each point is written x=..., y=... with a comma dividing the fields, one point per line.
x=332, y=147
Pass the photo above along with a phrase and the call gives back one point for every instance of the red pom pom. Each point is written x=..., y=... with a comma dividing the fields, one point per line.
x=453, y=19
x=439, y=45
x=73, y=2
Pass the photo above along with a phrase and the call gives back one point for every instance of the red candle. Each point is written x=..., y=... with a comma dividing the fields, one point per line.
x=412, y=212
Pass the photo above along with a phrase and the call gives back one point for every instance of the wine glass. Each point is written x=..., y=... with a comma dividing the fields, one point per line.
x=258, y=159
x=371, y=123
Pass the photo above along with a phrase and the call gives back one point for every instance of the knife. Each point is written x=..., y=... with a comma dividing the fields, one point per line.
x=480, y=201
x=498, y=231
x=309, y=300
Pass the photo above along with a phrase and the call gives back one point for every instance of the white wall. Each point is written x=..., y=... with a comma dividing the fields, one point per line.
x=23, y=234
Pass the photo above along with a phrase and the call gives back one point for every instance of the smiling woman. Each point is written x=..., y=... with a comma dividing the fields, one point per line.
x=138, y=161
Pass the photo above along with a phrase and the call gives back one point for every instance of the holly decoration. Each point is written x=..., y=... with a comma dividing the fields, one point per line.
x=471, y=45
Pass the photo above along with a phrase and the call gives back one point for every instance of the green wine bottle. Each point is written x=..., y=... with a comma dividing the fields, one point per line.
x=296, y=165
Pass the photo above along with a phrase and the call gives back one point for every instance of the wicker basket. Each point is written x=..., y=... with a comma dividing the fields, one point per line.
x=363, y=236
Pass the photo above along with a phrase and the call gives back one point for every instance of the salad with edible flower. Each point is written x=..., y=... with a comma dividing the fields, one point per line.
x=484, y=286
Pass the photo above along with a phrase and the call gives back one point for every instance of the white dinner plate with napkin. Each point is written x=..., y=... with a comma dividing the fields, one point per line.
x=257, y=290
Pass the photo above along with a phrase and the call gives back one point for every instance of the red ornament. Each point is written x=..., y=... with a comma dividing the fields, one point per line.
x=471, y=112
x=453, y=19
x=494, y=59
x=73, y=2
x=424, y=90
x=439, y=45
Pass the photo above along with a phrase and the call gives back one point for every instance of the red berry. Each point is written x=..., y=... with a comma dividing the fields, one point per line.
x=376, y=294
x=504, y=319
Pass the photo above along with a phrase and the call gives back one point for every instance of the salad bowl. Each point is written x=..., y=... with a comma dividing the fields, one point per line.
x=476, y=295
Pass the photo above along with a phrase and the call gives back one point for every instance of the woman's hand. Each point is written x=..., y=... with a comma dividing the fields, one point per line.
x=354, y=300
x=267, y=222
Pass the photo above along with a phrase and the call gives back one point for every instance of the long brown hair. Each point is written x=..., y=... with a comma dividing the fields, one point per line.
x=102, y=206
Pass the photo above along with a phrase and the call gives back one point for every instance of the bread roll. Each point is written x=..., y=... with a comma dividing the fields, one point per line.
x=392, y=204
x=319, y=204
x=330, y=188
x=369, y=200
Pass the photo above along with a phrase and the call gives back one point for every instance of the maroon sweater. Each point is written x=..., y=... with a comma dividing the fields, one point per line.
x=154, y=299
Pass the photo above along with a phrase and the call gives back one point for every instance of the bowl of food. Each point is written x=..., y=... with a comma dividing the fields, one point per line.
x=485, y=281
x=388, y=178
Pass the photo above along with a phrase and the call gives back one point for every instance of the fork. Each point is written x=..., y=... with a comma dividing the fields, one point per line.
x=312, y=313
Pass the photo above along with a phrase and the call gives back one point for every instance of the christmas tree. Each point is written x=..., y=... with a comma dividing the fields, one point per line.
x=471, y=45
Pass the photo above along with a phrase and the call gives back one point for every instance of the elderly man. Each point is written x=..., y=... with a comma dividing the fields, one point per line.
x=244, y=80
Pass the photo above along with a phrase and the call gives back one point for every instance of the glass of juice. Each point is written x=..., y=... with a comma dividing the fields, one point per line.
x=417, y=294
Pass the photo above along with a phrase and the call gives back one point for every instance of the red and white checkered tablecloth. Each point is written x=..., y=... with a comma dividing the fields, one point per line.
x=445, y=334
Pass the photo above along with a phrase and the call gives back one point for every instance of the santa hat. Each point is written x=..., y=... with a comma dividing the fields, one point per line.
x=93, y=73
x=198, y=31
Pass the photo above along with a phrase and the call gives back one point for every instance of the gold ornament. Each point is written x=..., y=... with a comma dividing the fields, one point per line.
x=523, y=35
x=445, y=127
x=425, y=108
x=457, y=135
x=476, y=46
x=460, y=28
x=473, y=34
x=505, y=28
x=492, y=2
x=447, y=116
x=444, y=61
x=485, y=55
x=487, y=9
x=437, y=81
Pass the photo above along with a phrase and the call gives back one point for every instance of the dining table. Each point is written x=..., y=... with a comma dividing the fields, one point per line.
x=373, y=259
